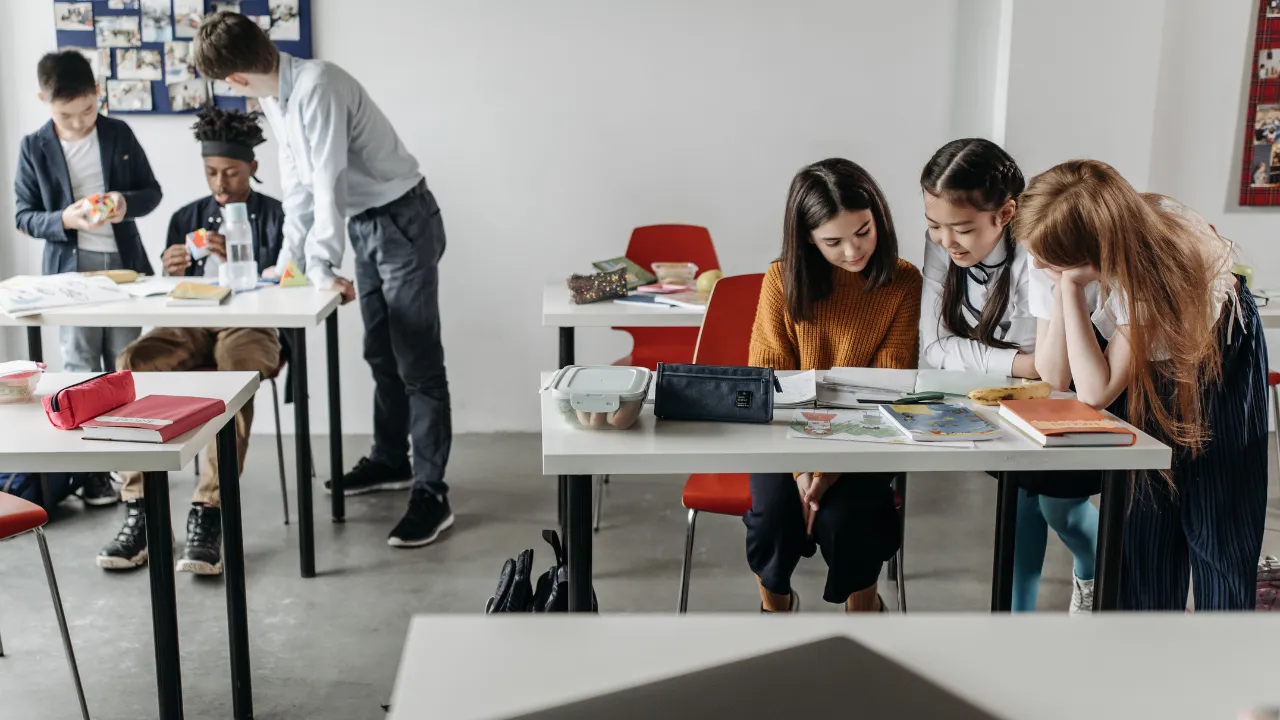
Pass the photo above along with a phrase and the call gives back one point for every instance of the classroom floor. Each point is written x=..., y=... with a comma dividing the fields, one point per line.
x=329, y=647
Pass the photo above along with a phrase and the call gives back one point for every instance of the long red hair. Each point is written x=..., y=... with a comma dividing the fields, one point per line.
x=1083, y=212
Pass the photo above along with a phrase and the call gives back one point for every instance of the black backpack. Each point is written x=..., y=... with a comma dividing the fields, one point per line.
x=516, y=593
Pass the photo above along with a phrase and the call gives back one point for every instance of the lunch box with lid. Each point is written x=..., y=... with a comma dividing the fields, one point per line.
x=600, y=397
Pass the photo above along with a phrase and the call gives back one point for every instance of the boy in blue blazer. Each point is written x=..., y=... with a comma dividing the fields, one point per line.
x=75, y=155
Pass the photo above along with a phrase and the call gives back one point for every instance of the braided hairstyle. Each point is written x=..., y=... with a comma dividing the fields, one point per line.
x=979, y=174
x=215, y=124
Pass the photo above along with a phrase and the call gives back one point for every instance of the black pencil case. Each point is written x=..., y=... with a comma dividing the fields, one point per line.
x=714, y=393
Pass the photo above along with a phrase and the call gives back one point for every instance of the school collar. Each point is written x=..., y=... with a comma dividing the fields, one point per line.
x=983, y=272
x=285, y=76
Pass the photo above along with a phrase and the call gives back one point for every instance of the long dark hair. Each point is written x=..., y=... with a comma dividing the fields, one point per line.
x=979, y=174
x=818, y=193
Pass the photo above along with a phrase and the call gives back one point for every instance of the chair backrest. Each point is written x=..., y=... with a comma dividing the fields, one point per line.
x=726, y=331
x=672, y=243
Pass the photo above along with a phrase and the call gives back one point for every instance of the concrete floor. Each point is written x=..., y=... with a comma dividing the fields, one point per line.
x=329, y=647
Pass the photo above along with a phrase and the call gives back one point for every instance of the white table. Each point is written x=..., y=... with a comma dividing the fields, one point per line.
x=669, y=448
x=1033, y=667
x=292, y=310
x=29, y=443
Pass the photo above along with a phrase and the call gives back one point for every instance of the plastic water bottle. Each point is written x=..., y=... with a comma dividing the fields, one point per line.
x=242, y=268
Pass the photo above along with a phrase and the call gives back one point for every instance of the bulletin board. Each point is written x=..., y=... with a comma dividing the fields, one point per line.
x=141, y=49
x=1260, y=182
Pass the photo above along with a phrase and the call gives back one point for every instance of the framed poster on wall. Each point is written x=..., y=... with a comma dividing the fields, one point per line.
x=1260, y=180
x=141, y=49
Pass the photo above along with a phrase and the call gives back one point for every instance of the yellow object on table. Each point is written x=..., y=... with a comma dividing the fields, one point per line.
x=292, y=276
x=119, y=277
x=1037, y=390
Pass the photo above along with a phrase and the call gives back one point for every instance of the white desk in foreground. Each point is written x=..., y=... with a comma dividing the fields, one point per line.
x=1026, y=667
x=292, y=310
x=29, y=443
x=669, y=448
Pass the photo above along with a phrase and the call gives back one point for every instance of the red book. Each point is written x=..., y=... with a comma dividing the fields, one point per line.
x=1065, y=422
x=154, y=419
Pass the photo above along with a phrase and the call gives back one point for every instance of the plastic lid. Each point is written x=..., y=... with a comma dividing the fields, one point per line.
x=235, y=212
x=628, y=383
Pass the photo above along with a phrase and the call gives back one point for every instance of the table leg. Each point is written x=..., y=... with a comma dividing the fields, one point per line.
x=164, y=599
x=336, y=467
x=1006, y=529
x=35, y=353
x=578, y=543
x=233, y=566
x=567, y=347
x=302, y=446
x=1111, y=511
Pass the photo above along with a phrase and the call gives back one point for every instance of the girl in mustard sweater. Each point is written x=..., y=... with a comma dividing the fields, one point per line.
x=839, y=297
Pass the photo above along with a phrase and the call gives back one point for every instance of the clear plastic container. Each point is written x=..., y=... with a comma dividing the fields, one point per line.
x=600, y=397
x=676, y=273
x=242, y=269
x=18, y=380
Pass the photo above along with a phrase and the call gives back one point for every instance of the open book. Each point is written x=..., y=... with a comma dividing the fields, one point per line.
x=849, y=386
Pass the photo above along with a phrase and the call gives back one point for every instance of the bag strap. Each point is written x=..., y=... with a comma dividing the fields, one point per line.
x=553, y=539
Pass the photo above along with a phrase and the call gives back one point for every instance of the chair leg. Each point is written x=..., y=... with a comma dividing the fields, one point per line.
x=62, y=620
x=601, y=481
x=284, y=487
x=195, y=462
x=688, y=562
x=1, y=647
x=900, y=486
x=1275, y=413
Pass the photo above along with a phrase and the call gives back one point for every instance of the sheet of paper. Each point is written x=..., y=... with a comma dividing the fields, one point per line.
x=797, y=390
x=33, y=294
x=151, y=286
x=855, y=426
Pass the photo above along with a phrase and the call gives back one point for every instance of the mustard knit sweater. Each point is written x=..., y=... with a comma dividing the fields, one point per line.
x=853, y=327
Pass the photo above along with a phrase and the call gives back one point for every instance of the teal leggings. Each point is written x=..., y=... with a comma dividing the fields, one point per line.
x=1076, y=522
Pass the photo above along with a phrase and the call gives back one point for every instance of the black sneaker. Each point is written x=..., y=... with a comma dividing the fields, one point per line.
x=371, y=476
x=203, y=553
x=129, y=548
x=422, y=523
x=98, y=491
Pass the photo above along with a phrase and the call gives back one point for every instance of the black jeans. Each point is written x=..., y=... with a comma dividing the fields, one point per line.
x=857, y=529
x=398, y=249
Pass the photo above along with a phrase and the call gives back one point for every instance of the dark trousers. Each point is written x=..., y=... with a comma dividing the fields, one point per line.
x=398, y=249
x=856, y=527
x=1209, y=525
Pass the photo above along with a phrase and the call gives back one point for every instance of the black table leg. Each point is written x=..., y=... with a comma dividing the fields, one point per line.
x=35, y=353
x=338, y=499
x=233, y=566
x=562, y=485
x=578, y=543
x=1106, y=592
x=164, y=599
x=302, y=443
x=1006, y=529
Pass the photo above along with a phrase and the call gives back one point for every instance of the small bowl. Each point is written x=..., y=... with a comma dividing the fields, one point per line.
x=676, y=273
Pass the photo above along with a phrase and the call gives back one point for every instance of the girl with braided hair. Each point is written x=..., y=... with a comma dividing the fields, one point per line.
x=975, y=316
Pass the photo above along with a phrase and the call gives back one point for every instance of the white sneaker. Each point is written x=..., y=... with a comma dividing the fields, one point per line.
x=1081, y=596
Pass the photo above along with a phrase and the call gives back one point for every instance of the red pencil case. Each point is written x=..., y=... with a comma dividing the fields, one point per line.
x=75, y=405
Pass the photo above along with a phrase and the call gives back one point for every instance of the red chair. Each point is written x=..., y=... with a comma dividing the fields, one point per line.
x=667, y=243
x=725, y=339
x=1273, y=381
x=18, y=516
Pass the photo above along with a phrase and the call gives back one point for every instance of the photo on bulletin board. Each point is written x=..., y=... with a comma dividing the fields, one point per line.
x=1260, y=180
x=140, y=50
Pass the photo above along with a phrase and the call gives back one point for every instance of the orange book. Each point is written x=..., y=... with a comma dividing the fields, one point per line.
x=1065, y=423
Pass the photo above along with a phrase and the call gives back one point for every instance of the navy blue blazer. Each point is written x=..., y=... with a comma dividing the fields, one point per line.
x=43, y=190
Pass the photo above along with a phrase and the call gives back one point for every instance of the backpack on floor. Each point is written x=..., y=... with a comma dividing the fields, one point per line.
x=515, y=592
x=1268, y=585
x=27, y=486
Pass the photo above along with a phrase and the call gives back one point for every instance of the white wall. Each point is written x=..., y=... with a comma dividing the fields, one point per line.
x=549, y=130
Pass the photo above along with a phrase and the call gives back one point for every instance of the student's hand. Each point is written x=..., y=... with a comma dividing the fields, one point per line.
x=1024, y=366
x=271, y=273
x=217, y=244
x=176, y=259
x=803, y=482
x=74, y=217
x=1081, y=275
x=122, y=208
x=343, y=287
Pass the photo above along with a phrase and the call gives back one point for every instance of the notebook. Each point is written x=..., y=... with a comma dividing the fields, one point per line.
x=1065, y=423
x=154, y=419
x=196, y=294
x=836, y=677
x=690, y=299
x=636, y=275
x=886, y=385
x=931, y=423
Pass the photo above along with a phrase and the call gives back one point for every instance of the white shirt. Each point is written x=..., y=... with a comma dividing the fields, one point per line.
x=339, y=156
x=84, y=165
x=1110, y=310
x=945, y=350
